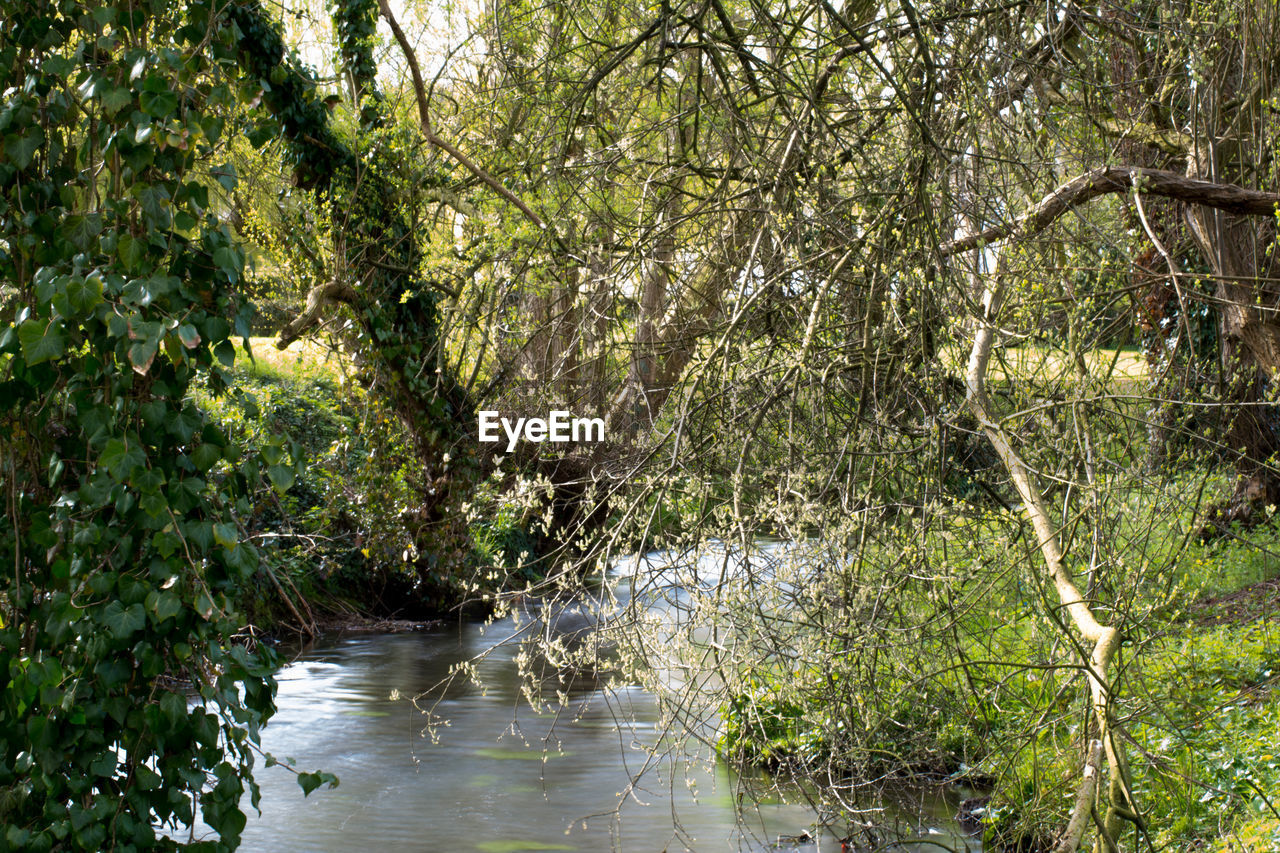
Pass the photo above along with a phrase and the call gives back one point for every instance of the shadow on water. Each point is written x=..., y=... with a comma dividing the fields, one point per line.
x=476, y=768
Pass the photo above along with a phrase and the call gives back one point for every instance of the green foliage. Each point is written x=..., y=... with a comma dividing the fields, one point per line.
x=1198, y=688
x=766, y=729
x=393, y=303
x=132, y=700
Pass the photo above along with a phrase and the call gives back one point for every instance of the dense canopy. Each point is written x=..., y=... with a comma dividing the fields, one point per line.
x=973, y=307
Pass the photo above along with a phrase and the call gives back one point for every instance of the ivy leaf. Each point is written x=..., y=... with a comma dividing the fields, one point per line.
x=148, y=779
x=130, y=250
x=115, y=99
x=158, y=104
x=155, y=205
x=226, y=353
x=142, y=354
x=205, y=606
x=41, y=340
x=282, y=476
x=205, y=456
x=189, y=336
x=80, y=231
x=122, y=621
x=120, y=459
x=226, y=175
x=167, y=606
x=231, y=262
x=84, y=294
x=21, y=149
x=225, y=535
x=57, y=66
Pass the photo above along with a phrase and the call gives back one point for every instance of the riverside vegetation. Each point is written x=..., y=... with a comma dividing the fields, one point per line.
x=971, y=308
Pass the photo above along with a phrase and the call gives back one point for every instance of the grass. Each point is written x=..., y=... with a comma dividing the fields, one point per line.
x=303, y=359
x=1000, y=697
x=1126, y=368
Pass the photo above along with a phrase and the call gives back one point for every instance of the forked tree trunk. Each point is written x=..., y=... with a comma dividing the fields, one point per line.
x=1104, y=639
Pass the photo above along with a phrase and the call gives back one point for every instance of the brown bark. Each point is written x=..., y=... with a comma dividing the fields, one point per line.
x=1248, y=297
x=1113, y=179
x=317, y=299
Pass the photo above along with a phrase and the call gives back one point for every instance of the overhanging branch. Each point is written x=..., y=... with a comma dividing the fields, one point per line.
x=319, y=296
x=1114, y=179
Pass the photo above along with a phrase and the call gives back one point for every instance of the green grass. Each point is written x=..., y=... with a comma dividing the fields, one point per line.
x=1000, y=697
x=302, y=360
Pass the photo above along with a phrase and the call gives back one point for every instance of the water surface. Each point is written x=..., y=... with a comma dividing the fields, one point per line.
x=430, y=763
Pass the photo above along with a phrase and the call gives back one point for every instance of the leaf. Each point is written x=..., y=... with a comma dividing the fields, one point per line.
x=205, y=456
x=205, y=606
x=141, y=355
x=158, y=104
x=122, y=621
x=155, y=205
x=21, y=149
x=41, y=340
x=130, y=250
x=153, y=505
x=57, y=66
x=120, y=459
x=225, y=535
x=189, y=336
x=148, y=779
x=226, y=175
x=115, y=99
x=310, y=781
x=84, y=294
x=167, y=605
x=281, y=476
x=231, y=261
x=226, y=353
x=80, y=231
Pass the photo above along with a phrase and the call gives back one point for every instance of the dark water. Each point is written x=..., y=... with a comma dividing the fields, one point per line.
x=470, y=768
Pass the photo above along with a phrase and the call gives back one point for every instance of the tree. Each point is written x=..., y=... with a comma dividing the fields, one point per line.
x=877, y=156
x=122, y=499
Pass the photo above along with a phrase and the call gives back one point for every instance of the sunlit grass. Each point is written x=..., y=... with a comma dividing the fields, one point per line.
x=302, y=359
x=1125, y=366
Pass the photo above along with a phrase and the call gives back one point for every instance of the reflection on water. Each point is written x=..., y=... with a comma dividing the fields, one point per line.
x=494, y=775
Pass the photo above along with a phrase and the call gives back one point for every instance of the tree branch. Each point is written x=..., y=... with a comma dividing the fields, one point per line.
x=1114, y=179
x=320, y=296
x=424, y=118
x=1086, y=801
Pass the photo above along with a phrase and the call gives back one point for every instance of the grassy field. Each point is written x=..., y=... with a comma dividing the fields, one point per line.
x=1125, y=367
x=303, y=359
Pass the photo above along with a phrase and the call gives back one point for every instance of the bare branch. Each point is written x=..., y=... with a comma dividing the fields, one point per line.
x=424, y=118
x=1114, y=179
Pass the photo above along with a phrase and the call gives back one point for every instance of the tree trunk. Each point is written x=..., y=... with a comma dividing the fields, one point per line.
x=1236, y=249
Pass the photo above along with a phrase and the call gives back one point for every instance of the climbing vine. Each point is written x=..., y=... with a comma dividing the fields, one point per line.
x=132, y=698
x=385, y=280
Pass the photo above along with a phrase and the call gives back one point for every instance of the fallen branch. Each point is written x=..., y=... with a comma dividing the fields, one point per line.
x=1105, y=638
x=1086, y=797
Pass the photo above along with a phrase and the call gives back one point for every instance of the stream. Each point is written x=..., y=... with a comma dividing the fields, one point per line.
x=471, y=768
